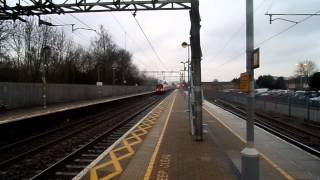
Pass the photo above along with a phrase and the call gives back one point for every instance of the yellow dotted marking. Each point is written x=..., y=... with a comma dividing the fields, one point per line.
x=274, y=165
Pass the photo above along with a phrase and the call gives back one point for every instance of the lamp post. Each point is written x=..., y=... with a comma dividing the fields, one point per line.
x=305, y=65
x=114, y=67
x=45, y=53
x=186, y=45
x=184, y=69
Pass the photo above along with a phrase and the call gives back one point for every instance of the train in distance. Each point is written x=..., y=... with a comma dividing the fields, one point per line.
x=162, y=88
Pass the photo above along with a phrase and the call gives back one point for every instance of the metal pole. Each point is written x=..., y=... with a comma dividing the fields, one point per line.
x=192, y=114
x=184, y=72
x=189, y=84
x=249, y=155
x=289, y=104
x=308, y=109
x=196, y=56
x=44, y=88
x=98, y=73
x=113, y=78
x=189, y=92
x=45, y=55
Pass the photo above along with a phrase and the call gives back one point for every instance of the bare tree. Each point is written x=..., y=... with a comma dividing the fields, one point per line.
x=21, y=46
x=305, y=68
x=5, y=31
x=15, y=42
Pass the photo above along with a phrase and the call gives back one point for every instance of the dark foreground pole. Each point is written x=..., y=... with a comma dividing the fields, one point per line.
x=196, y=55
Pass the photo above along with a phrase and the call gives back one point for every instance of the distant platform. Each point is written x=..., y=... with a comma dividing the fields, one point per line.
x=26, y=113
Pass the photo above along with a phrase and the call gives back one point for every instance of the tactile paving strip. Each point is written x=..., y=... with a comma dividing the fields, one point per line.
x=113, y=166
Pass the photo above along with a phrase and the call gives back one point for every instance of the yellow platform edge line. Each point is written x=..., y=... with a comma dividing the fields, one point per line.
x=274, y=165
x=149, y=120
x=156, y=150
x=115, y=161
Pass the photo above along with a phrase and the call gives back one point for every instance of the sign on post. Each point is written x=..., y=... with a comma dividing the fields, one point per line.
x=256, y=58
x=244, y=82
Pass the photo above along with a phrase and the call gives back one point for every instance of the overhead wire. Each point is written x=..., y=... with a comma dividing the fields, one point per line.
x=121, y=26
x=118, y=22
x=148, y=40
x=128, y=34
x=237, y=32
x=268, y=39
x=140, y=27
x=80, y=35
x=85, y=24
x=54, y=19
x=57, y=19
x=288, y=28
x=150, y=44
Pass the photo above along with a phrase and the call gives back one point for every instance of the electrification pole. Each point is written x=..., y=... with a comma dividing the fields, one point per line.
x=45, y=56
x=114, y=67
x=249, y=155
x=196, y=55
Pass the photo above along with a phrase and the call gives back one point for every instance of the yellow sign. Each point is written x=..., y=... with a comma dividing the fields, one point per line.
x=245, y=82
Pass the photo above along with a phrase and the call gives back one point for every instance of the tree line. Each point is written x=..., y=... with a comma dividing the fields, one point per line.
x=306, y=72
x=23, y=57
x=271, y=82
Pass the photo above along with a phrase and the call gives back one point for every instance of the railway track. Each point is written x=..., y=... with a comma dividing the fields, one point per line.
x=63, y=152
x=303, y=139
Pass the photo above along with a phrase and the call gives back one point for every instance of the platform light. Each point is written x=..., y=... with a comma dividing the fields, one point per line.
x=185, y=44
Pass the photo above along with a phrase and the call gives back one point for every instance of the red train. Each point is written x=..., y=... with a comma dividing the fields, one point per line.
x=163, y=88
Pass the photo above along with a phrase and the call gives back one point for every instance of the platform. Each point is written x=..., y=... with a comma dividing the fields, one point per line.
x=161, y=147
x=25, y=113
x=289, y=160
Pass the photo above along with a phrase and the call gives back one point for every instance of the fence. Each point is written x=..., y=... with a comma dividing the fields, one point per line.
x=17, y=95
x=287, y=105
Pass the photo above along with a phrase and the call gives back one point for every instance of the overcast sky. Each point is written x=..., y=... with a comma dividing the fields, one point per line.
x=222, y=36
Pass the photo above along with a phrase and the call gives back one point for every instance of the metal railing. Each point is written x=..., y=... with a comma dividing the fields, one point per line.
x=287, y=105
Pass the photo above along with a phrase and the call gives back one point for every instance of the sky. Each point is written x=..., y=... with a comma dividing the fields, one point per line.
x=222, y=36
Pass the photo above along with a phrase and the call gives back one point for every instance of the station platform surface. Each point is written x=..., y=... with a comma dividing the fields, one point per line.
x=25, y=113
x=161, y=147
x=291, y=161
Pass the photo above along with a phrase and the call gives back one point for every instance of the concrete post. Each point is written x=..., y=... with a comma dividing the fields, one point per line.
x=249, y=155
